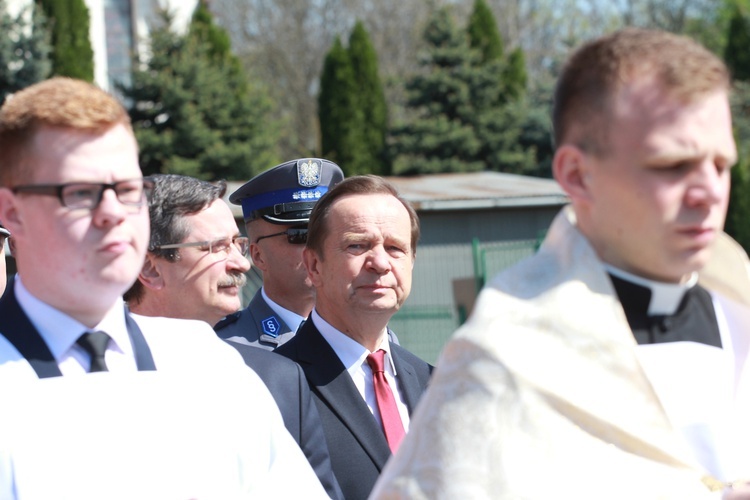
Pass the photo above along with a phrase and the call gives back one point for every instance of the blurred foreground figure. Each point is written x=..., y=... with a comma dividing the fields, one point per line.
x=73, y=196
x=612, y=364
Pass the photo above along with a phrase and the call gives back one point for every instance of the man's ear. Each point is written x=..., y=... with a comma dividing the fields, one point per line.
x=9, y=214
x=312, y=263
x=257, y=256
x=151, y=275
x=571, y=169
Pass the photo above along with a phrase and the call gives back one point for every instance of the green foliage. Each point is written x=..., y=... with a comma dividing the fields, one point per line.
x=351, y=107
x=341, y=118
x=72, y=54
x=483, y=33
x=370, y=99
x=195, y=113
x=738, y=215
x=736, y=52
x=465, y=117
x=24, y=50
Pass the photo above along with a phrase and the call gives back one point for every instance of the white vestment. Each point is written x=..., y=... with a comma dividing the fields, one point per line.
x=542, y=393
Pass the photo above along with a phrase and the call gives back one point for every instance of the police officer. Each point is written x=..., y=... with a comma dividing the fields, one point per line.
x=276, y=206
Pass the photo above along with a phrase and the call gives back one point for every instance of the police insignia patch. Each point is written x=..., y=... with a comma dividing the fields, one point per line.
x=308, y=172
x=271, y=326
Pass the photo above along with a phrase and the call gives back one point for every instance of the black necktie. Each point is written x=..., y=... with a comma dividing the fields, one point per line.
x=95, y=344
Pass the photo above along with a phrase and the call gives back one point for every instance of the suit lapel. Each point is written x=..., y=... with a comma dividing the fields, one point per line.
x=20, y=332
x=407, y=379
x=330, y=380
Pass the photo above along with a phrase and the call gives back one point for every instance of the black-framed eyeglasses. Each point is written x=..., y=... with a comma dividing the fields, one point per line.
x=88, y=195
x=241, y=243
x=295, y=236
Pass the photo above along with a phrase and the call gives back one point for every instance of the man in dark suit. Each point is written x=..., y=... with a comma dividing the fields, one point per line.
x=276, y=205
x=194, y=270
x=359, y=256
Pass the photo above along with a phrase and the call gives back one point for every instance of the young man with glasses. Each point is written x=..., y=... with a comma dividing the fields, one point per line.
x=72, y=194
x=276, y=205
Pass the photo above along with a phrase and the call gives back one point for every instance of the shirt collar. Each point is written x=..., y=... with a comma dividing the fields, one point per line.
x=351, y=353
x=665, y=297
x=59, y=331
x=290, y=318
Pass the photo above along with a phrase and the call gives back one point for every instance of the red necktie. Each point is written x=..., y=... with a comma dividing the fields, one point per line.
x=392, y=425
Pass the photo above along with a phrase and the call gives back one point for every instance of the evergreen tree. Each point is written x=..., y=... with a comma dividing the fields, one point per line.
x=736, y=53
x=72, y=54
x=24, y=50
x=463, y=118
x=738, y=214
x=483, y=33
x=370, y=101
x=196, y=114
x=341, y=117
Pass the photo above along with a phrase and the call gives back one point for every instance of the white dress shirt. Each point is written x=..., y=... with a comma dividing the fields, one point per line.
x=159, y=434
x=353, y=356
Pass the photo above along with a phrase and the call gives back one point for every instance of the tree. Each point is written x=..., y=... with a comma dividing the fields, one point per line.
x=370, y=100
x=341, y=119
x=483, y=33
x=72, y=54
x=24, y=50
x=736, y=52
x=463, y=117
x=437, y=138
x=197, y=114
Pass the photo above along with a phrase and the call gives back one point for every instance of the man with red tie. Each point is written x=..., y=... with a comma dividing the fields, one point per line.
x=359, y=257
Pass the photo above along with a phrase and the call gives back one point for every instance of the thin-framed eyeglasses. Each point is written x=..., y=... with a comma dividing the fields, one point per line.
x=219, y=245
x=294, y=236
x=88, y=195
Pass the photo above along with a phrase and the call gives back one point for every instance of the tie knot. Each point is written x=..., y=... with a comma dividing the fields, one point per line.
x=95, y=344
x=375, y=360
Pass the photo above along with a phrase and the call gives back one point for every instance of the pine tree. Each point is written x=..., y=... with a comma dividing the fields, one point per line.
x=483, y=33
x=370, y=100
x=72, y=54
x=341, y=117
x=24, y=50
x=736, y=53
x=197, y=114
x=463, y=119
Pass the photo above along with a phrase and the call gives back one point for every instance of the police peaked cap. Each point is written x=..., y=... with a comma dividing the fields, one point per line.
x=286, y=193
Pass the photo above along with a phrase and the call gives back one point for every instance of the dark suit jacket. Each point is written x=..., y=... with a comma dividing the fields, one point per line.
x=356, y=442
x=287, y=385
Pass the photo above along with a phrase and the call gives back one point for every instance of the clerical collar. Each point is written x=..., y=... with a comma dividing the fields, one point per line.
x=665, y=297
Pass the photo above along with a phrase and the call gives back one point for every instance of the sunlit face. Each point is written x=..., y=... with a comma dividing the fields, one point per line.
x=659, y=198
x=204, y=285
x=367, y=259
x=284, y=274
x=78, y=259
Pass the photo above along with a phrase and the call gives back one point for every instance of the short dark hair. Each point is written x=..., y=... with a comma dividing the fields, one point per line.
x=317, y=228
x=596, y=71
x=174, y=197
